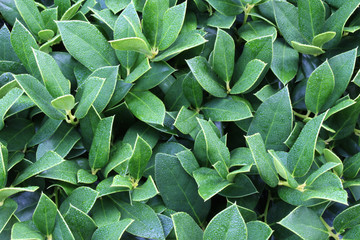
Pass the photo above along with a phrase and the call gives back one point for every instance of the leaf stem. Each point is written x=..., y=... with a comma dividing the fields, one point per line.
x=267, y=206
x=70, y=118
x=247, y=10
x=330, y=230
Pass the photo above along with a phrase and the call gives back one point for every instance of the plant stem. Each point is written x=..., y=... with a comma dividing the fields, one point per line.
x=247, y=10
x=267, y=206
x=330, y=230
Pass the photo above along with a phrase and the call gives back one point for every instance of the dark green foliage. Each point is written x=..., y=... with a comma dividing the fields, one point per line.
x=179, y=119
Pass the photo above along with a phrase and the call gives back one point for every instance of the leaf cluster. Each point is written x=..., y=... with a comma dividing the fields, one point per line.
x=187, y=120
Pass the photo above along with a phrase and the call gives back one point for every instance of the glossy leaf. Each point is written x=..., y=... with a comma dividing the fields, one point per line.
x=262, y=160
x=305, y=223
x=47, y=161
x=223, y=55
x=139, y=158
x=205, y=77
x=94, y=51
x=100, y=147
x=54, y=80
x=22, y=42
x=44, y=215
x=32, y=87
x=227, y=224
x=273, y=120
x=170, y=175
x=185, y=227
x=285, y=61
x=146, y=106
x=301, y=155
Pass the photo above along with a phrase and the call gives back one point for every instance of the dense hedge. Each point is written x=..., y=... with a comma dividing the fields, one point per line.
x=166, y=119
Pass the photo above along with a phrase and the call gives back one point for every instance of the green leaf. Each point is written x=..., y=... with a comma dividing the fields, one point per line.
x=306, y=48
x=228, y=224
x=84, y=176
x=250, y=77
x=221, y=21
x=104, y=212
x=352, y=166
x=86, y=44
x=47, y=161
x=192, y=90
x=65, y=172
x=7, y=209
x=227, y=7
x=7, y=102
x=327, y=187
x=337, y=20
x=120, y=153
x=139, y=158
x=116, y=5
x=144, y=192
x=259, y=48
x=280, y=166
x=172, y=23
x=311, y=18
x=81, y=225
x=186, y=122
x=139, y=71
x=256, y=29
x=31, y=15
x=215, y=149
x=258, y=230
x=301, y=155
x=62, y=230
x=135, y=44
x=104, y=187
x=112, y=231
x=110, y=74
x=177, y=189
x=22, y=41
x=285, y=61
x=128, y=25
x=158, y=72
x=61, y=142
x=7, y=192
x=44, y=215
x=153, y=17
x=146, y=106
x=7, y=51
x=319, y=87
x=262, y=160
x=32, y=88
x=287, y=20
x=65, y=102
x=188, y=161
x=25, y=230
x=273, y=120
x=54, y=80
x=210, y=182
x=206, y=77
x=185, y=41
x=185, y=227
x=223, y=55
x=146, y=224
x=100, y=147
x=226, y=109
x=342, y=66
x=305, y=223
x=333, y=158
x=348, y=218
x=92, y=88
x=322, y=38
x=82, y=198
